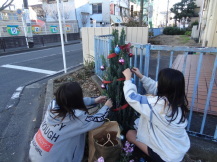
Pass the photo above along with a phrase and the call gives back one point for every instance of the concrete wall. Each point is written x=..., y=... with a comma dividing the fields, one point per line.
x=195, y=32
x=208, y=35
x=20, y=41
x=46, y=29
x=133, y=35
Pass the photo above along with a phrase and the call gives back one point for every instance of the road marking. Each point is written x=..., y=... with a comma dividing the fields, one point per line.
x=14, y=97
x=29, y=69
x=42, y=57
x=33, y=51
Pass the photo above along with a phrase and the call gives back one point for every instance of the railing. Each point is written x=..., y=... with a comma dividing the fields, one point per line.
x=151, y=58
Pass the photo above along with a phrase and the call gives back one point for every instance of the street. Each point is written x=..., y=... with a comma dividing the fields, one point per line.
x=20, y=69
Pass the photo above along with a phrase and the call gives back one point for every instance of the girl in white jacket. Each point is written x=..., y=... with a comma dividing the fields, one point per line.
x=161, y=130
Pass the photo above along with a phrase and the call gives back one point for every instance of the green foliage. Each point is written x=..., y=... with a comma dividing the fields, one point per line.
x=184, y=39
x=185, y=9
x=188, y=33
x=194, y=23
x=173, y=31
x=115, y=89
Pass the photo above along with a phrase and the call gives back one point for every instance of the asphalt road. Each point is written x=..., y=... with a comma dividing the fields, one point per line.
x=18, y=70
x=44, y=62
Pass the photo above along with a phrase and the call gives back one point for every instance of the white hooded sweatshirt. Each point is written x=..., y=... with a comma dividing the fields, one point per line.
x=169, y=140
x=64, y=140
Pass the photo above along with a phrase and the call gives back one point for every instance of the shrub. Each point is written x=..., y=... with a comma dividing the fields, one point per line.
x=194, y=23
x=188, y=33
x=173, y=31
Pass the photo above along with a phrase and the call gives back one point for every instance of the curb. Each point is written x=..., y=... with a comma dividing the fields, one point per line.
x=35, y=49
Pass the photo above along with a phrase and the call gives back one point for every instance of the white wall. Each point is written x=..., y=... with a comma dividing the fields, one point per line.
x=82, y=6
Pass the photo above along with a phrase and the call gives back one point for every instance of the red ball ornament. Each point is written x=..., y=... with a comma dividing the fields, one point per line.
x=102, y=67
x=130, y=55
x=103, y=86
x=121, y=61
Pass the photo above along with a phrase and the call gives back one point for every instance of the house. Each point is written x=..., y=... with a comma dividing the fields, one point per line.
x=103, y=13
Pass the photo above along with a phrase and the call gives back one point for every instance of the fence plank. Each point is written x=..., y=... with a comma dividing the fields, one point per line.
x=85, y=43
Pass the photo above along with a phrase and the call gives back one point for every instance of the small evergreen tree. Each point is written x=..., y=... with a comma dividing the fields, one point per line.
x=113, y=80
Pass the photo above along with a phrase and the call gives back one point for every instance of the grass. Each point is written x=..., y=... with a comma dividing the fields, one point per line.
x=184, y=39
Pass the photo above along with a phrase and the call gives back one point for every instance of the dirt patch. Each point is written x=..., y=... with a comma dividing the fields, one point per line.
x=174, y=40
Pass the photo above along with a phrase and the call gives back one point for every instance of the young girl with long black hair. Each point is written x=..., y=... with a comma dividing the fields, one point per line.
x=61, y=136
x=160, y=130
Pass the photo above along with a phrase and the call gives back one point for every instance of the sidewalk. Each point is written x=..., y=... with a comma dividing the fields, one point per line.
x=36, y=47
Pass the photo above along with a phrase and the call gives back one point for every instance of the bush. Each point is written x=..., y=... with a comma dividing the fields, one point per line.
x=188, y=33
x=194, y=23
x=173, y=31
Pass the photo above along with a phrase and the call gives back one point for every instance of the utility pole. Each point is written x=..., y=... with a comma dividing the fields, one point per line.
x=141, y=12
x=64, y=22
x=61, y=35
x=27, y=25
x=167, y=12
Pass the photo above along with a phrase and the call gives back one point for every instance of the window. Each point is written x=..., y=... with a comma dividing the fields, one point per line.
x=97, y=8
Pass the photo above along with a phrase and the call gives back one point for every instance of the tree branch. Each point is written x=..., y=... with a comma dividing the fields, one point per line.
x=5, y=5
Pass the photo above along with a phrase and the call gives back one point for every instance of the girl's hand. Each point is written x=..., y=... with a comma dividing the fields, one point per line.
x=127, y=73
x=137, y=72
x=109, y=103
x=100, y=99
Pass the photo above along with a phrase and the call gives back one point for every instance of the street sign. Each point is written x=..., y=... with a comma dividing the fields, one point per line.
x=19, y=12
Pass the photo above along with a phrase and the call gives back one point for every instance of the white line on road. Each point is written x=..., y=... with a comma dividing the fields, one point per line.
x=22, y=53
x=14, y=97
x=29, y=69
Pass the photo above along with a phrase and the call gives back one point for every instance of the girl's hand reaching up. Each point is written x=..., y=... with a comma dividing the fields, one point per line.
x=127, y=73
x=100, y=99
x=109, y=103
x=137, y=72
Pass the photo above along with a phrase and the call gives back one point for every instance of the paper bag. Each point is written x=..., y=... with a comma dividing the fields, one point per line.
x=111, y=127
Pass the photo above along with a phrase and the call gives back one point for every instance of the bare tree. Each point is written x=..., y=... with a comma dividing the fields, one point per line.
x=6, y=4
x=50, y=10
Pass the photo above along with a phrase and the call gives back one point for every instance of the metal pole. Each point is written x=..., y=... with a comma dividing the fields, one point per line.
x=27, y=22
x=61, y=36
x=167, y=12
x=24, y=26
x=64, y=22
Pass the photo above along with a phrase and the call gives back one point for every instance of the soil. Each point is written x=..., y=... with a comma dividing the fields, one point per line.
x=173, y=40
x=83, y=76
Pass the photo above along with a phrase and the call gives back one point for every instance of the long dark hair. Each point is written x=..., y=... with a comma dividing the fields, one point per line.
x=69, y=97
x=171, y=84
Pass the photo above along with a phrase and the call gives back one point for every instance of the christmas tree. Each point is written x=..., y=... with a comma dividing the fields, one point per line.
x=113, y=80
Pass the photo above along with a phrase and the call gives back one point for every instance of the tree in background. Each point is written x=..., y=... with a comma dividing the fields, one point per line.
x=183, y=9
x=113, y=80
x=6, y=4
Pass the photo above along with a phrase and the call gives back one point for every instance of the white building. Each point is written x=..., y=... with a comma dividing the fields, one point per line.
x=89, y=12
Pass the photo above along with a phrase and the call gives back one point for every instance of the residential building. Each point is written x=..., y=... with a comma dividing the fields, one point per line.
x=208, y=24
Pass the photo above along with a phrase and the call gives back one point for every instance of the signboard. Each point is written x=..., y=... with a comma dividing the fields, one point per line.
x=13, y=29
x=53, y=29
x=19, y=12
x=68, y=28
x=116, y=19
x=36, y=29
x=112, y=9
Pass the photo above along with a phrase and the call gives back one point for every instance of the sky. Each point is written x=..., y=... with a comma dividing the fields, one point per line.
x=162, y=3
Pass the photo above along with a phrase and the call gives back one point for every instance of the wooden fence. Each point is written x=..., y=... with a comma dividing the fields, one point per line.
x=133, y=35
